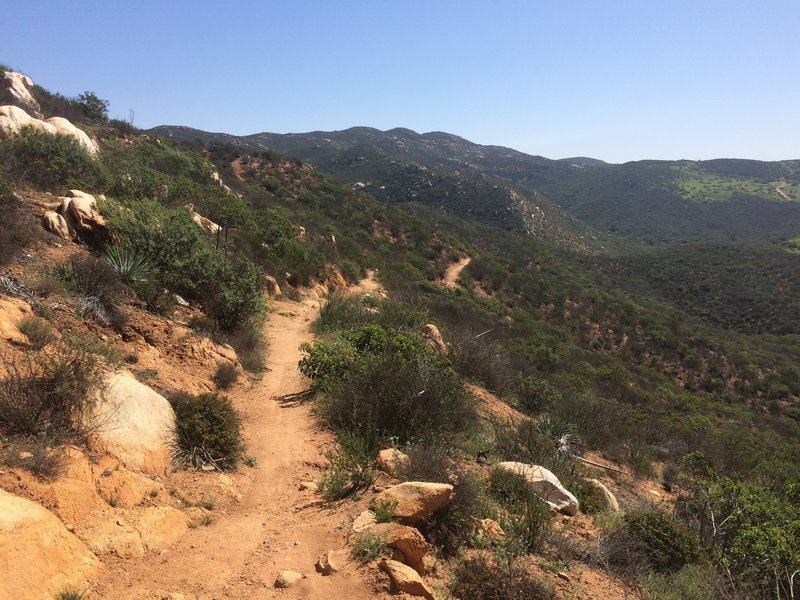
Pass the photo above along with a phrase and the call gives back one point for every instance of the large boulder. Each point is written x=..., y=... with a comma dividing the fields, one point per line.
x=545, y=485
x=82, y=218
x=416, y=500
x=609, y=498
x=13, y=118
x=15, y=88
x=38, y=556
x=134, y=424
x=406, y=540
x=406, y=580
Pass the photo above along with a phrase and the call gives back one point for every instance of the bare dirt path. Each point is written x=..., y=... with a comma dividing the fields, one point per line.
x=275, y=526
x=453, y=272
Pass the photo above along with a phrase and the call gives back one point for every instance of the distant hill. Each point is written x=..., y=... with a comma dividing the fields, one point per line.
x=649, y=202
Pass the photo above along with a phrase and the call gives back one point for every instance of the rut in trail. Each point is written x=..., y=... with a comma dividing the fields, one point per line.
x=453, y=272
x=276, y=526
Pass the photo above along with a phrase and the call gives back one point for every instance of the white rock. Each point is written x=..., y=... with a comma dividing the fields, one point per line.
x=545, y=485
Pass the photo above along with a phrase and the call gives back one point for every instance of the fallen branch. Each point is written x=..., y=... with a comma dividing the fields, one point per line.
x=597, y=464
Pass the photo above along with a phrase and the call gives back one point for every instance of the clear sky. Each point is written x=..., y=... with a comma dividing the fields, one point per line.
x=612, y=79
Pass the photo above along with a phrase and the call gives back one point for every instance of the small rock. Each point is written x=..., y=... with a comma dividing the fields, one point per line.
x=70, y=527
x=491, y=530
x=563, y=576
x=417, y=499
x=406, y=580
x=364, y=521
x=25, y=455
x=208, y=468
x=309, y=486
x=326, y=564
x=288, y=579
x=391, y=461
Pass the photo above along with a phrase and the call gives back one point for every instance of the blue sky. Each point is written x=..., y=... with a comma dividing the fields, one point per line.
x=612, y=79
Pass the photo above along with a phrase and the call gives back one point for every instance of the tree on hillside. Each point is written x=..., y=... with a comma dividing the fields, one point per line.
x=93, y=107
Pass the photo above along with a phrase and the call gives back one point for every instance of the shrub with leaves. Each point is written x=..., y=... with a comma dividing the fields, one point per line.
x=132, y=267
x=207, y=430
x=225, y=375
x=38, y=332
x=529, y=519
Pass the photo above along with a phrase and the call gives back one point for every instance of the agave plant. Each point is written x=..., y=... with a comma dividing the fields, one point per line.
x=131, y=266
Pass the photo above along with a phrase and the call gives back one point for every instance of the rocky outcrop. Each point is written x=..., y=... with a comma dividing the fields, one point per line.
x=406, y=580
x=609, y=498
x=205, y=351
x=38, y=556
x=134, y=424
x=391, y=461
x=15, y=89
x=545, y=485
x=433, y=338
x=406, y=540
x=202, y=221
x=416, y=500
x=77, y=218
x=336, y=280
x=490, y=530
x=272, y=287
x=13, y=119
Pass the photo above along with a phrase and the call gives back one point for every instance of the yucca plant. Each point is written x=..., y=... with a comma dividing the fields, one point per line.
x=131, y=266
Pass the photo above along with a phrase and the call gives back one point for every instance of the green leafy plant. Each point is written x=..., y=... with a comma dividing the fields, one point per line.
x=480, y=578
x=132, y=267
x=225, y=376
x=368, y=547
x=38, y=332
x=207, y=431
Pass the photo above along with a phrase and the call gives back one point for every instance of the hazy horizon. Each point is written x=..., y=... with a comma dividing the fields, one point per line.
x=629, y=81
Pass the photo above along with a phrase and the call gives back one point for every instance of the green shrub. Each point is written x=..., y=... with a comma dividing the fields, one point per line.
x=350, y=467
x=691, y=582
x=479, y=578
x=16, y=233
x=590, y=498
x=529, y=521
x=368, y=547
x=34, y=454
x=38, y=332
x=48, y=394
x=341, y=311
x=384, y=510
x=50, y=161
x=207, y=430
x=535, y=394
x=651, y=541
x=225, y=376
x=99, y=286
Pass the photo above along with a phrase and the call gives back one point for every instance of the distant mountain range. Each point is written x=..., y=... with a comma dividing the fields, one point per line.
x=581, y=199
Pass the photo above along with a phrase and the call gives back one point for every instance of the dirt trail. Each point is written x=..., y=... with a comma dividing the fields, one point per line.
x=275, y=527
x=453, y=272
x=779, y=189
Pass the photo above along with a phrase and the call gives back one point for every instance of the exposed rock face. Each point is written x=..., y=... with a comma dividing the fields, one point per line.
x=545, y=485
x=207, y=352
x=15, y=89
x=13, y=118
x=406, y=580
x=336, y=280
x=38, y=556
x=12, y=311
x=611, y=500
x=417, y=499
x=407, y=540
x=433, y=338
x=125, y=488
x=391, y=461
x=326, y=564
x=134, y=424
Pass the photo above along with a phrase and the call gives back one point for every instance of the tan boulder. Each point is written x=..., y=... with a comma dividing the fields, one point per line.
x=64, y=127
x=133, y=423
x=416, y=499
x=15, y=89
x=326, y=564
x=83, y=208
x=545, y=485
x=391, y=461
x=12, y=311
x=56, y=224
x=336, y=280
x=490, y=530
x=38, y=556
x=202, y=221
x=433, y=338
x=364, y=521
x=407, y=540
x=406, y=580
x=610, y=500
x=13, y=119
x=287, y=579
x=271, y=284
